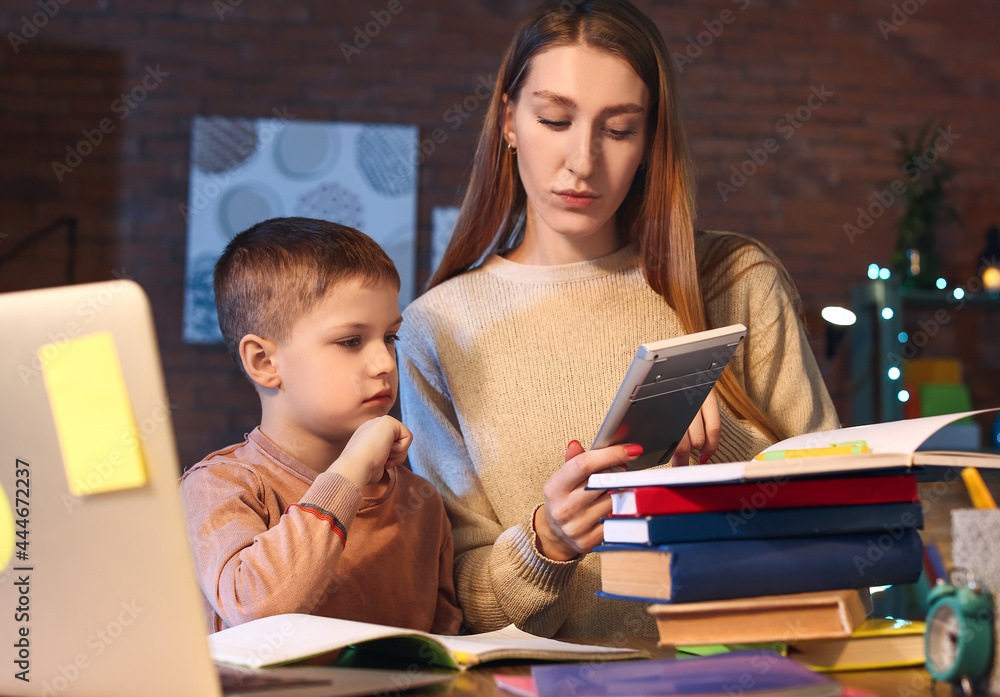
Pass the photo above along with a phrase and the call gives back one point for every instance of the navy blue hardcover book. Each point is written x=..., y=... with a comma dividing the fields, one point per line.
x=763, y=523
x=689, y=572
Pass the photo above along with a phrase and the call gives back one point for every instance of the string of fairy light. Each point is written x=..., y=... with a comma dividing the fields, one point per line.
x=842, y=317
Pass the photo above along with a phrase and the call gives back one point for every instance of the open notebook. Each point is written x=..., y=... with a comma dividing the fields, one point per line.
x=98, y=586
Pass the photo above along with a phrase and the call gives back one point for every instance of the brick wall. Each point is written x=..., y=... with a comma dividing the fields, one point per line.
x=107, y=88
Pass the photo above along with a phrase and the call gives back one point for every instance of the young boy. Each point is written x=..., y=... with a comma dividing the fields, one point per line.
x=309, y=310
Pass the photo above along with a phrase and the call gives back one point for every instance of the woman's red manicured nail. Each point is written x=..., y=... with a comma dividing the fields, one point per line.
x=703, y=459
x=633, y=450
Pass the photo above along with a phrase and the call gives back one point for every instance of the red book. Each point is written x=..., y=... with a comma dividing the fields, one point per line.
x=659, y=500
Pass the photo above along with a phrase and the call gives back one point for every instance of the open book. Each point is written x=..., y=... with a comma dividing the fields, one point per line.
x=894, y=445
x=281, y=639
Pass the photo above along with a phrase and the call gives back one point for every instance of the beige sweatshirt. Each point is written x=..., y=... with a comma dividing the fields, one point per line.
x=502, y=366
x=269, y=537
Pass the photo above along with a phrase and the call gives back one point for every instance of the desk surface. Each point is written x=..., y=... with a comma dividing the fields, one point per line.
x=901, y=682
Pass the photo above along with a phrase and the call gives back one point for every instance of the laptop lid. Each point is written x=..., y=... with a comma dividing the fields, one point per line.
x=98, y=587
x=99, y=595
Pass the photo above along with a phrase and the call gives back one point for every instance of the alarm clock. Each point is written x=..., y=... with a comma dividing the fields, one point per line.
x=958, y=641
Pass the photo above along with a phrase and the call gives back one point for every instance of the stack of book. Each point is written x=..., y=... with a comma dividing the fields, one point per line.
x=781, y=548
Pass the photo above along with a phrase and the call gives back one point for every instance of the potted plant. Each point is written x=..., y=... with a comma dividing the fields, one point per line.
x=916, y=259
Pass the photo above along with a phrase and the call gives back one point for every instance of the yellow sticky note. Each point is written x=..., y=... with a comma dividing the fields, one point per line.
x=7, y=532
x=93, y=416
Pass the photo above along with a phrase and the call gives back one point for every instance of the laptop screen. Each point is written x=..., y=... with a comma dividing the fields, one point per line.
x=99, y=594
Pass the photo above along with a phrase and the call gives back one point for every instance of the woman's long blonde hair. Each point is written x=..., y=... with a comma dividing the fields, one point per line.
x=657, y=215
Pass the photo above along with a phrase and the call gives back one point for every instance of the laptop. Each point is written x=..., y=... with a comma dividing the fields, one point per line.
x=99, y=595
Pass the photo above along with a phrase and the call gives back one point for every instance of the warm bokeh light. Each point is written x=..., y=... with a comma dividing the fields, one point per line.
x=991, y=278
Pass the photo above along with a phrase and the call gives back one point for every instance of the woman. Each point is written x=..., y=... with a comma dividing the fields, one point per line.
x=574, y=245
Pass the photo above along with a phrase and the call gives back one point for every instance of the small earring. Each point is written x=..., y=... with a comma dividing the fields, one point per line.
x=511, y=148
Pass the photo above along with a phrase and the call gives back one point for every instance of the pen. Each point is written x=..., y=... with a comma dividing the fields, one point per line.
x=978, y=492
x=933, y=564
x=849, y=448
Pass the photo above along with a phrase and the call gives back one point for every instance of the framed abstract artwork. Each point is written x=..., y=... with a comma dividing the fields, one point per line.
x=244, y=171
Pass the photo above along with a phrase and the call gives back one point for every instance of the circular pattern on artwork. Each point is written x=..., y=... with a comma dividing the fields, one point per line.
x=386, y=156
x=443, y=221
x=246, y=205
x=307, y=150
x=201, y=321
x=334, y=202
x=219, y=143
x=401, y=246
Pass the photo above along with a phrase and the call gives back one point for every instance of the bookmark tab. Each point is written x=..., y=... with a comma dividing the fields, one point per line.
x=93, y=416
x=846, y=448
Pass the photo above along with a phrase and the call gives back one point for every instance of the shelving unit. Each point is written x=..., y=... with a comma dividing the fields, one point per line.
x=875, y=345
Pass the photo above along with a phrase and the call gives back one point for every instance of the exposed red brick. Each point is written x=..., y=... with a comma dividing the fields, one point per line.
x=735, y=91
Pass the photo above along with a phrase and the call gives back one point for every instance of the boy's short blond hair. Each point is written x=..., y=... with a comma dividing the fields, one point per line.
x=275, y=272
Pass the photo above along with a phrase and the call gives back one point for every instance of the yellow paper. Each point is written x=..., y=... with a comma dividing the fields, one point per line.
x=93, y=416
x=7, y=531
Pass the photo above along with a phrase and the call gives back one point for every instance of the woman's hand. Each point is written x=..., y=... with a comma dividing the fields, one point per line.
x=569, y=523
x=702, y=435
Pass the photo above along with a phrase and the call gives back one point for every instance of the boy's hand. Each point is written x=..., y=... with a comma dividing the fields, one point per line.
x=377, y=444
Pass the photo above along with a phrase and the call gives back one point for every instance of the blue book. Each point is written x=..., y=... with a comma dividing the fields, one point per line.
x=763, y=523
x=689, y=572
x=748, y=673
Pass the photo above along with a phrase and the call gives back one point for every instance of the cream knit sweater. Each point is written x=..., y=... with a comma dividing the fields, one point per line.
x=502, y=366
